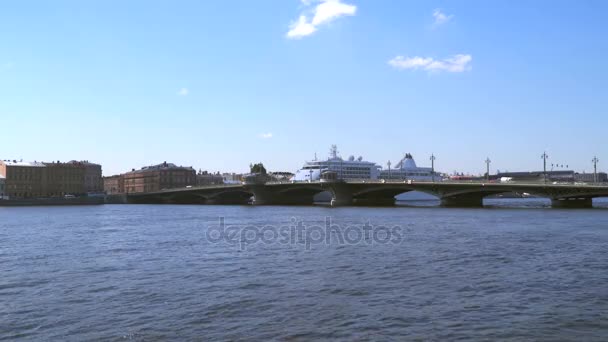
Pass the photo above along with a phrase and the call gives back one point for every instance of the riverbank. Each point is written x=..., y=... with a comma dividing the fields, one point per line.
x=53, y=201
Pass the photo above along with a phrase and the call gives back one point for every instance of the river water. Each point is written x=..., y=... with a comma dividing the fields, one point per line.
x=515, y=270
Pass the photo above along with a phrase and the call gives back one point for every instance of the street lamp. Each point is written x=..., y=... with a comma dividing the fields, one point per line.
x=433, y=167
x=488, y=161
x=595, y=161
x=545, y=157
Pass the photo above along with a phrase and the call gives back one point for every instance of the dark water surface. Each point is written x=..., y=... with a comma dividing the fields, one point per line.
x=149, y=273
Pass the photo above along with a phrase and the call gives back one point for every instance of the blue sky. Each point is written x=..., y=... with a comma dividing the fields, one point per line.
x=220, y=84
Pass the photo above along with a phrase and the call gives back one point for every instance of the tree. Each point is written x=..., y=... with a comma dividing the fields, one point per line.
x=257, y=168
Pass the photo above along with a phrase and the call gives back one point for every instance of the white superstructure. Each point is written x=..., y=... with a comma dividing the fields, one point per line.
x=350, y=168
x=407, y=169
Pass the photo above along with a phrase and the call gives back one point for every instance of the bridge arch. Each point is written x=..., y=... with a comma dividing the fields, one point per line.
x=230, y=196
x=379, y=196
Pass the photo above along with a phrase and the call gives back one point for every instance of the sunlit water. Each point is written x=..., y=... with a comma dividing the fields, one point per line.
x=516, y=270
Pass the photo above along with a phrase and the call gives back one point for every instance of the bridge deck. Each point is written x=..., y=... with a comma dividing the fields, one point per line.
x=380, y=191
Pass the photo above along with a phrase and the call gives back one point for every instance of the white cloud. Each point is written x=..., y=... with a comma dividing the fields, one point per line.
x=300, y=28
x=329, y=10
x=266, y=135
x=183, y=92
x=440, y=17
x=324, y=12
x=456, y=63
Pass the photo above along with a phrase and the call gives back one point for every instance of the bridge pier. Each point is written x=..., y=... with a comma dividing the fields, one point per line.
x=341, y=201
x=572, y=203
x=342, y=195
x=462, y=201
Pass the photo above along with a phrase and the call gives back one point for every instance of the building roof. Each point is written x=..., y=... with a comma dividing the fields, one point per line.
x=535, y=173
x=83, y=162
x=158, y=167
x=22, y=163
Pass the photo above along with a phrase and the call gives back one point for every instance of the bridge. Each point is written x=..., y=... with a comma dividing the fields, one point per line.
x=370, y=193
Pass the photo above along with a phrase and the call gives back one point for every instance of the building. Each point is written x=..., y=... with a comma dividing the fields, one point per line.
x=281, y=176
x=93, y=182
x=65, y=179
x=590, y=177
x=565, y=176
x=159, y=177
x=24, y=179
x=114, y=185
x=3, y=195
x=206, y=178
x=232, y=178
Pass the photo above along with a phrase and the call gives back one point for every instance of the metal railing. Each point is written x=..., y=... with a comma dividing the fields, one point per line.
x=397, y=181
x=449, y=181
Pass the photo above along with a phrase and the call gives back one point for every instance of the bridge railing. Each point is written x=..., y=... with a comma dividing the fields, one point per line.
x=449, y=181
x=397, y=181
x=190, y=188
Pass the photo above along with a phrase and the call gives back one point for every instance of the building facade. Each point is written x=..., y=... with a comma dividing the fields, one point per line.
x=65, y=179
x=590, y=177
x=3, y=195
x=159, y=177
x=24, y=180
x=93, y=181
x=232, y=178
x=206, y=178
x=565, y=176
x=113, y=185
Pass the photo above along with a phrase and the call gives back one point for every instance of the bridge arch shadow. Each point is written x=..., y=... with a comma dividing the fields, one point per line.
x=303, y=195
x=231, y=196
x=380, y=196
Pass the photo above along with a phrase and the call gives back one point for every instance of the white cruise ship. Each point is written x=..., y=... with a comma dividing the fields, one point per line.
x=407, y=169
x=350, y=168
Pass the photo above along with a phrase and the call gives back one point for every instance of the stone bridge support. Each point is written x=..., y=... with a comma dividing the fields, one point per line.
x=342, y=194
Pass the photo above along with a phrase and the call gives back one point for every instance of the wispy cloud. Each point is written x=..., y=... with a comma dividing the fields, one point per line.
x=323, y=12
x=456, y=63
x=440, y=17
x=183, y=92
x=266, y=135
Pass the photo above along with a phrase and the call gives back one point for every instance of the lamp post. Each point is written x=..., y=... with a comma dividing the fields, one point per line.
x=433, y=167
x=545, y=157
x=595, y=161
x=488, y=161
x=389, y=169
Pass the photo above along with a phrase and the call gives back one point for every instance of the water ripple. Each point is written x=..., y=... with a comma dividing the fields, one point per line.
x=146, y=273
